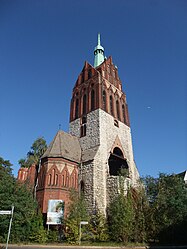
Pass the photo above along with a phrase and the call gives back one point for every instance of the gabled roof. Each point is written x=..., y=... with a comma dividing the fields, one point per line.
x=64, y=145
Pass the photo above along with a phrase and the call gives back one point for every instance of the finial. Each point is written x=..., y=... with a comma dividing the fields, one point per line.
x=99, y=39
x=98, y=52
x=59, y=127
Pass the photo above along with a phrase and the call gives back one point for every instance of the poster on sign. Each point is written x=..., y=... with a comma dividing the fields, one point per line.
x=55, y=213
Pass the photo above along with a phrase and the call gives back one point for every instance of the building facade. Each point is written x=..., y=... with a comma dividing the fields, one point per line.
x=98, y=147
x=99, y=118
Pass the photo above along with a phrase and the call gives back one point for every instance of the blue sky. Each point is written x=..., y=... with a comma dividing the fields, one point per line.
x=43, y=46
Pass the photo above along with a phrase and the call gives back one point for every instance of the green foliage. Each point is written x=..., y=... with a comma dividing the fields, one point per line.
x=25, y=218
x=7, y=183
x=121, y=218
x=33, y=156
x=140, y=206
x=53, y=236
x=98, y=227
x=167, y=197
x=77, y=212
x=37, y=232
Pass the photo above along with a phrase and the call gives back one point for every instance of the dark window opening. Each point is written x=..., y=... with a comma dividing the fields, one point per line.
x=76, y=108
x=83, y=130
x=117, y=163
x=82, y=187
x=116, y=123
x=117, y=108
x=84, y=120
x=111, y=105
x=123, y=110
x=84, y=104
x=117, y=152
x=104, y=100
x=92, y=100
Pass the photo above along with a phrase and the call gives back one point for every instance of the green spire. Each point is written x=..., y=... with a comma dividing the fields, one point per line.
x=98, y=53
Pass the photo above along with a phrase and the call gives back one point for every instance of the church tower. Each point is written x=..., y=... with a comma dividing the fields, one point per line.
x=99, y=118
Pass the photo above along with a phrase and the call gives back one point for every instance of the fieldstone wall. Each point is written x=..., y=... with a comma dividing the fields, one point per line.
x=86, y=172
x=100, y=187
x=92, y=137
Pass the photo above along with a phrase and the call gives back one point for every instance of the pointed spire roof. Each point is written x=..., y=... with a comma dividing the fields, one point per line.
x=98, y=52
x=64, y=145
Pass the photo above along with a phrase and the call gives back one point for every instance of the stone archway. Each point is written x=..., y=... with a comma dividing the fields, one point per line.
x=117, y=162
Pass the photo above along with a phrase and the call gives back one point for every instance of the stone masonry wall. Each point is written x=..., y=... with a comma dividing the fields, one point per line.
x=100, y=187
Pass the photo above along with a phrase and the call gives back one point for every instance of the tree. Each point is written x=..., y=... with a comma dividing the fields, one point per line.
x=76, y=213
x=121, y=217
x=167, y=197
x=7, y=183
x=25, y=206
x=33, y=156
x=98, y=227
x=140, y=207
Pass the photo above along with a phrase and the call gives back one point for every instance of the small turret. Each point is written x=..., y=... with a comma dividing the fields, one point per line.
x=98, y=53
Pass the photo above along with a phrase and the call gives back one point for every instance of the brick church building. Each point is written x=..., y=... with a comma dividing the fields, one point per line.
x=90, y=157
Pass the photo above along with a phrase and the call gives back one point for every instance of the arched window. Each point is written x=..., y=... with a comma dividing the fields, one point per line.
x=56, y=179
x=104, y=100
x=67, y=181
x=72, y=181
x=117, y=152
x=117, y=163
x=123, y=111
x=53, y=176
x=117, y=109
x=84, y=104
x=76, y=108
x=63, y=182
x=49, y=179
x=92, y=100
x=111, y=105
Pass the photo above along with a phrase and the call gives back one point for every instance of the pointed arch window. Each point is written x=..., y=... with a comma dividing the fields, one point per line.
x=123, y=111
x=84, y=104
x=63, y=182
x=104, y=100
x=76, y=108
x=53, y=176
x=56, y=179
x=92, y=100
x=117, y=109
x=72, y=181
x=111, y=105
x=49, y=179
x=67, y=181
